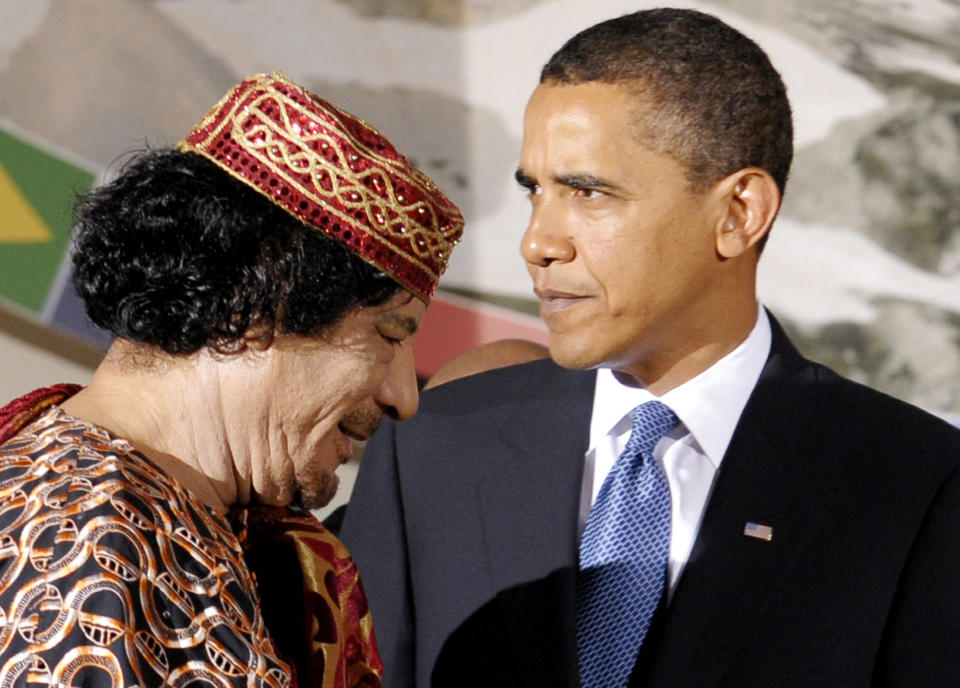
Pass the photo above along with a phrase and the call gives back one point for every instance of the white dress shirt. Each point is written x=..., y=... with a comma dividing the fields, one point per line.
x=708, y=406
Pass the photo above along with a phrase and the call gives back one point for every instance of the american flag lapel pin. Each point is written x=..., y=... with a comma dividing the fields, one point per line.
x=758, y=531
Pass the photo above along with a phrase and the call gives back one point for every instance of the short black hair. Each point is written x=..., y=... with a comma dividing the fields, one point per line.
x=177, y=254
x=714, y=102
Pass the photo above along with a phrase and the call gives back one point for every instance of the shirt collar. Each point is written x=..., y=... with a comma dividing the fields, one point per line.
x=709, y=405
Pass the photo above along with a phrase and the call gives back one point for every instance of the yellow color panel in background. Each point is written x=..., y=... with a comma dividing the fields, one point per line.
x=19, y=222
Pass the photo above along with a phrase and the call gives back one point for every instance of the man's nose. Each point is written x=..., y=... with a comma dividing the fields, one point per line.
x=398, y=393
x=546, y=239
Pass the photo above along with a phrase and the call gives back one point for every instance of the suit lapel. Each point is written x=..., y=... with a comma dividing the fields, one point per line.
x=767, y=477
x=535, y=469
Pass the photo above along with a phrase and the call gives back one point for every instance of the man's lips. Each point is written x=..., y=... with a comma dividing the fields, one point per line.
x=344, y=443
x=354, y=434
x=556, y=300
x=359, y=424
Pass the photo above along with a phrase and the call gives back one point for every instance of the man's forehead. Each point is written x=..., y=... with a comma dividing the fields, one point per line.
x=577, y=114
x=401, y=313
x=574, y=123
x=401, y=307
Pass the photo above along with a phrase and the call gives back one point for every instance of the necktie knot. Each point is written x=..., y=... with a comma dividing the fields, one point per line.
x=651, y=421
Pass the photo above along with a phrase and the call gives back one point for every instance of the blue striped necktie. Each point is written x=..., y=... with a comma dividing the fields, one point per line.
x=624, y=554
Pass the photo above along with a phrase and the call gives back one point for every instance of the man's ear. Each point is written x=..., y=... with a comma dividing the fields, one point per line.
x=750, y=200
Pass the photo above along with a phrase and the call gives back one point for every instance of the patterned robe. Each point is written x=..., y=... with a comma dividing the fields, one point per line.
x=113, y=575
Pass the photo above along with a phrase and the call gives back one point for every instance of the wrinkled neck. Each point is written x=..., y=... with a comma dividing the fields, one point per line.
x=170, y=409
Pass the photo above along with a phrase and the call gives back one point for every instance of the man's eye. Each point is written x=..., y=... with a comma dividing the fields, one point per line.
x=395, y=341
x=589, y=193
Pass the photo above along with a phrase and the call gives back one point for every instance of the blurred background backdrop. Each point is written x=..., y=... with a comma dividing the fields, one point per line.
x=863, y=267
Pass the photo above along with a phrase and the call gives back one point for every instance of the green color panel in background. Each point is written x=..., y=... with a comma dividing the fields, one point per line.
x=50, y=185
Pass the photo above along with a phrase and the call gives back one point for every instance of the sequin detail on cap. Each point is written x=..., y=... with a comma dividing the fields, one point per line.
x=334, y=172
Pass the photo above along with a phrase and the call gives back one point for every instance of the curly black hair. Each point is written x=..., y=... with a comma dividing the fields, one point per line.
x=177, y=254
x=711, y=99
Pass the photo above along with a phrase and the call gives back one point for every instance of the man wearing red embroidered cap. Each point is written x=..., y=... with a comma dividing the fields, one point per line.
x=263, y=281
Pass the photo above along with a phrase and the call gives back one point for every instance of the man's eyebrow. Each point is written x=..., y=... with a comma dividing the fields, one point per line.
x=408, y=324
x=586, y=181
x=573, y=180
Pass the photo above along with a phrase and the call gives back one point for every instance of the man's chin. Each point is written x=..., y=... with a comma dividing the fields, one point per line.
x=317, y=496
x=572, y=357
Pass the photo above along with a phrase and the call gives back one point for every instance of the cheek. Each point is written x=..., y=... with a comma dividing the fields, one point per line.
x=364, y=363
x=619, y=273
x=274, y=482
x=326, y=452
x=337, y=384
x=316, y=453
x=371, y=373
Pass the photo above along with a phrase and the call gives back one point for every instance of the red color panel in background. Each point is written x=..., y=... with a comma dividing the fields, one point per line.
x=455, y=324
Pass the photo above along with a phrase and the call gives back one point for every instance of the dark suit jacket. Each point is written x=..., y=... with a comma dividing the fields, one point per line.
x=463, y=523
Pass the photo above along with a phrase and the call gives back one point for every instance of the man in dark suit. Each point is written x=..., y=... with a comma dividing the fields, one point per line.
x=788, y=527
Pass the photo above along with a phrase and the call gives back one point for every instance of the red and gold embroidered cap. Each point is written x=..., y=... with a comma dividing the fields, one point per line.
x=334, y=172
